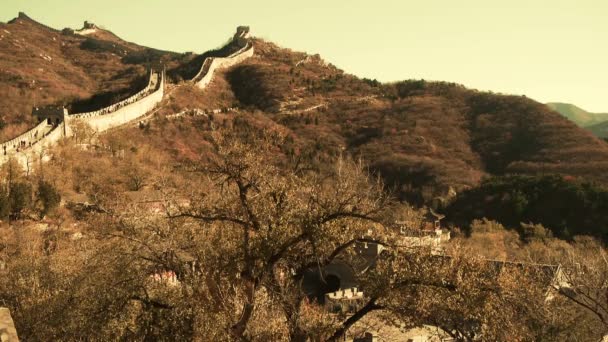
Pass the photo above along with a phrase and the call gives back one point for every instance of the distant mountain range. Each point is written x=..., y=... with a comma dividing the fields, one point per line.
x=600, y=129
x=595, y=122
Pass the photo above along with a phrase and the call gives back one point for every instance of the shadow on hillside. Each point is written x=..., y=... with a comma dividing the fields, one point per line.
x=108, y=98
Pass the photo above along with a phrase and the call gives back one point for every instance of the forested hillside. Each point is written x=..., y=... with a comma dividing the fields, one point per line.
x=422, y=137
x=565, y=206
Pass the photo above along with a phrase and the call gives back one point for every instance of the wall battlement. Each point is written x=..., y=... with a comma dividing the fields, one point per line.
x=241, y=36
x=150, y=87
x=26, y=139
x=345, y=300
x=128, y=110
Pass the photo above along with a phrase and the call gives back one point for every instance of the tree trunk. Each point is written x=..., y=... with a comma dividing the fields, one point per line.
x=238, y=329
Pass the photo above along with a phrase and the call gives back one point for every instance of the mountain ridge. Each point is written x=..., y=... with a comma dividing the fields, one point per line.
x=426, y=139
x=599, y=129
x=578, y=115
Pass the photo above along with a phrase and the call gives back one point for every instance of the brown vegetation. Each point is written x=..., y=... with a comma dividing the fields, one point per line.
x=201, y=228
x=238, y=231
x=422, y=137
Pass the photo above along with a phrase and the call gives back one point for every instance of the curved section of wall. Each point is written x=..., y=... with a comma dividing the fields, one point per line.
x=211, y=64
x=151, y=86
x=49, y=140
x=204, y=69
x=128, y=111
x=32, y=145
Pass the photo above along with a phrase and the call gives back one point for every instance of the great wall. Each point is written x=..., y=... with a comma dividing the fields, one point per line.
x=211, y=64
x=55, y=123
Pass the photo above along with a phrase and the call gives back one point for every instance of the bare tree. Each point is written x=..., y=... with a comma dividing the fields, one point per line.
x=242, y=232
x=288, y=220
x=584, y=279
x=280, y=221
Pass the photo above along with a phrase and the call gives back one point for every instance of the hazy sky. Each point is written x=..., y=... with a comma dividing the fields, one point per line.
x=550, y=50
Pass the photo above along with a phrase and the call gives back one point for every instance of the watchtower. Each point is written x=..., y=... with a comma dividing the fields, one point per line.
x=241, y=36
x=54, y=115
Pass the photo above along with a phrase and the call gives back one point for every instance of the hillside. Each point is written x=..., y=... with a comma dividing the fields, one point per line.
x=578, y=115
x=428, y=140
x=41, y=66
x=252, y=193
x=517, y=200
x=422, y=137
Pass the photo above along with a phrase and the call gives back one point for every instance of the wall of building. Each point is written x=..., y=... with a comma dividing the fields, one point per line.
x=26, y=157
x=52, y=138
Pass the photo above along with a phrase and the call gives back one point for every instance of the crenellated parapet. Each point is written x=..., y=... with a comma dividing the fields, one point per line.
x=152, y=86
x=211, y=64
x=127, y=110
x=344, y=300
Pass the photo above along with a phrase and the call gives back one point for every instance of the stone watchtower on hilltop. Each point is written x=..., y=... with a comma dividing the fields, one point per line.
x=88, y=25
x=241, y=36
